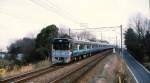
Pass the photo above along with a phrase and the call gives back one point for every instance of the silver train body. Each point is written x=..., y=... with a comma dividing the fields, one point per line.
x=65, y=50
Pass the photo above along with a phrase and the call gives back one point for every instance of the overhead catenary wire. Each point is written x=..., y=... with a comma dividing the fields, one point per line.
x=55, y=9
x=18, y=18
x=64, y=11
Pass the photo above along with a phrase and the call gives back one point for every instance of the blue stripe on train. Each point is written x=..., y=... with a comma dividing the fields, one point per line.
x=85, y=51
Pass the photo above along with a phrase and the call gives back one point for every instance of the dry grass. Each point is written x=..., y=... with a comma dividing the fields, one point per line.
x=26, y=68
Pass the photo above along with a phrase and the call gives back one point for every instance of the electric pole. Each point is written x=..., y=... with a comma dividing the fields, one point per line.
x=121, y=37
x=149, y=9
x=101, y=35
x=69, y=31
x=116, y=42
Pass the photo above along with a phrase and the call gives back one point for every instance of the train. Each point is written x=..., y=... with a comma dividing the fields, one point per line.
x=66, y=50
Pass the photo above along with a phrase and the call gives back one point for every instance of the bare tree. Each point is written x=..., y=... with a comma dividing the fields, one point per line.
x=139, y=44
x=63, y=30
x=85, y=35
x=140, y=24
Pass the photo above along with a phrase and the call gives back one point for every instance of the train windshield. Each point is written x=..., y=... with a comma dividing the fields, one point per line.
x=61, y=44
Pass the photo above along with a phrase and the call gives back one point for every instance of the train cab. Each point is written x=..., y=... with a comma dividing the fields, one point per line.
x=61, y=52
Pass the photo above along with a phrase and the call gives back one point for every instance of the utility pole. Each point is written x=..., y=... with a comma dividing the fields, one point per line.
x=116, y=42
x=149, y=9
x=121, y=38
x=69, y=31
x=149, y=15
x=101, y=35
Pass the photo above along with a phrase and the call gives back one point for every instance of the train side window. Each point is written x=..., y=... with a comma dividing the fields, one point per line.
x=81, y=46
x=97, y=46
x=85, y=46
x=92, y=46
x=75, y=46
x=88, y=46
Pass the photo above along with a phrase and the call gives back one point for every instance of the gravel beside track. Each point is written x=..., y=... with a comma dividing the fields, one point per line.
x=97, y=70
x=61, y=73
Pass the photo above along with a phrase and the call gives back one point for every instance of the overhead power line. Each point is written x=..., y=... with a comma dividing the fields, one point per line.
x=51, y=7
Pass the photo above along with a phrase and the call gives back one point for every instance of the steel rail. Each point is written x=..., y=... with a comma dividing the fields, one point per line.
x=69, y=73
x=29, y=75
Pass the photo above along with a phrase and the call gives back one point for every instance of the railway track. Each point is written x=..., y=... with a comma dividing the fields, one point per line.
x=69, y=76
x=73, y=75
x=29, y=75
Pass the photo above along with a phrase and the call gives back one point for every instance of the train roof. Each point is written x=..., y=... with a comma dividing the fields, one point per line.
x=89, y=42
x=83, y=41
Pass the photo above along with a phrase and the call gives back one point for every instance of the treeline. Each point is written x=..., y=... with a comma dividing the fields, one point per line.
x=137, y=38
x=30, y=50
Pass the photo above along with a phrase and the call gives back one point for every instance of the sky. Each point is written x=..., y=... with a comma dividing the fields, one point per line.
x=25, y=18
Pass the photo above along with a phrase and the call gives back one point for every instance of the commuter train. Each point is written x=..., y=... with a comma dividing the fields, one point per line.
x=65, y=50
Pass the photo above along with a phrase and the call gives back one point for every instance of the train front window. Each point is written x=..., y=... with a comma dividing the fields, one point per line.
x=61, y=45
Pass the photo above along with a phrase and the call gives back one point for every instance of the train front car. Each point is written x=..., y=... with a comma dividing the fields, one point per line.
x=61, y=51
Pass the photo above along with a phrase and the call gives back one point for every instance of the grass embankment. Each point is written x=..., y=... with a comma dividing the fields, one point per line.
x=115, y=71
x=5, y=72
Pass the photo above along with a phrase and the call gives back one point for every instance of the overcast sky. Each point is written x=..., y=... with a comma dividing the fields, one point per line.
x=21, y=18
